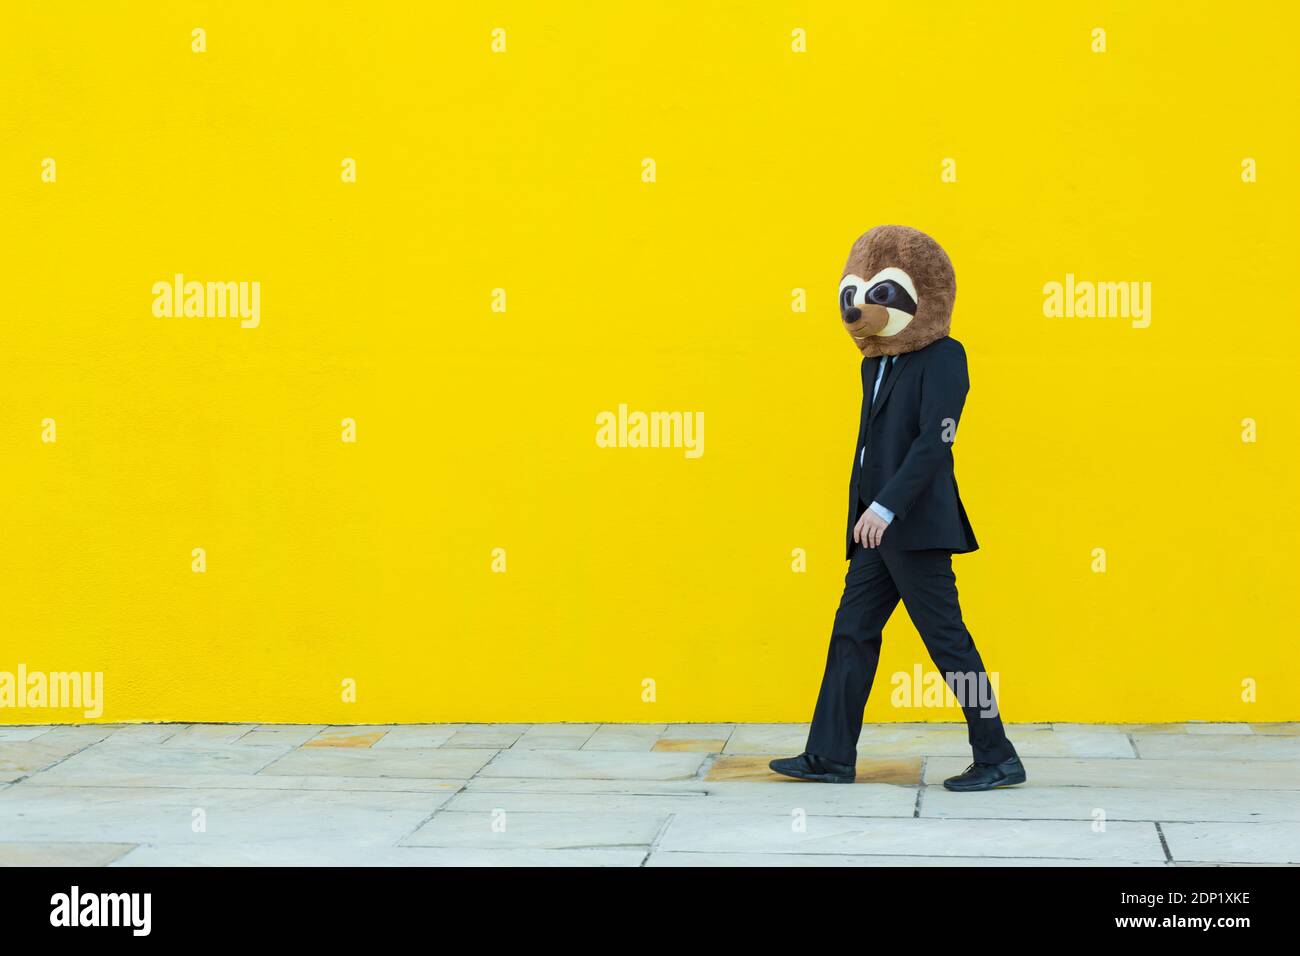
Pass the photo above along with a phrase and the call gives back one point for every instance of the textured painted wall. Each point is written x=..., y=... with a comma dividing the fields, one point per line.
x=507, y=266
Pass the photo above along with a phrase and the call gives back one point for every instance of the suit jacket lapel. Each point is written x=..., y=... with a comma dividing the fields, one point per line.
x=869, y=369
x=888, y=385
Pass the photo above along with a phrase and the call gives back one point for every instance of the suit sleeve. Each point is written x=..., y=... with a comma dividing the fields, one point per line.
x=943, y=393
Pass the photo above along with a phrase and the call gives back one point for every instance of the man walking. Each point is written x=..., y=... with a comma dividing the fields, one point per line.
x=906, y=518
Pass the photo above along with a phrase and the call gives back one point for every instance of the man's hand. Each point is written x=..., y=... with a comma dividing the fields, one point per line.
x=869, y=529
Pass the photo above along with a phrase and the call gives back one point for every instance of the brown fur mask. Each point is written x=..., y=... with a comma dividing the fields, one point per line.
x=897, y=292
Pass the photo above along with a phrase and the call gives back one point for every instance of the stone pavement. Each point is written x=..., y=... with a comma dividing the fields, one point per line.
x=638, y=794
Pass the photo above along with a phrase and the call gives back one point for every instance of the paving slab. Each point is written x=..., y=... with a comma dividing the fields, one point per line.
x=293, y=734
x=1227, y=746
x=76, y=736
x=381, y=762
x=524, y=830
x=515, y=729
x=482, y=740
x=658, y=805
x=599, y=765
x=784, y=739
x=861, y=799
x=1114, y=803
x=1179, y=728
x=21, y=733
x=146, y=733
x=237, y=781
x=1092, y=728
x=354, y=739
x=543, y=742
x=249, y=741
x=886, y=740
x=585, y=785
x=21, y=758
x=111, y=759
x=562, y=730
x=1232, y=843
x=61, y=854
x=921, y=837
x=632, y=730
x=1143, y=774
x=870, y=800
x=418, y=736
x=905, y=771
x=1068, y=742
x=252, y=854
x=1290, y=730
x=213, y=733
x=697, y=731
x=689, y=745
x=659, y=858
x=626, y=743
x=115, y=815
x=1197, y=727
x=954, y=742
x=1185, y=864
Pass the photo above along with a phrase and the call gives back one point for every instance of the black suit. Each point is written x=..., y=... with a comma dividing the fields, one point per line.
x=908, y=461
x=907, y=467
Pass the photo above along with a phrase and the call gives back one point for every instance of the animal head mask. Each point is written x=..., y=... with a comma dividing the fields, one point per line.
x=897, y=292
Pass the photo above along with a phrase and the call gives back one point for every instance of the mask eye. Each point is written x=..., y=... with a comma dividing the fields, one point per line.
x=851, y=287
x=891, y=295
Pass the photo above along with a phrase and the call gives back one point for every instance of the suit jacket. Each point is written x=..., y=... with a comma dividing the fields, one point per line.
x=908, y=434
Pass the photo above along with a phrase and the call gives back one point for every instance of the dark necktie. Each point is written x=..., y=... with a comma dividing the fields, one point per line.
x=864, y=494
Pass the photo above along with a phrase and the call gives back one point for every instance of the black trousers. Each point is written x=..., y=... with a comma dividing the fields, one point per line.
x=925, y=582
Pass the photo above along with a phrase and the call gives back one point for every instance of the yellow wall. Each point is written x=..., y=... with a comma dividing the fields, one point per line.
x=476, y=430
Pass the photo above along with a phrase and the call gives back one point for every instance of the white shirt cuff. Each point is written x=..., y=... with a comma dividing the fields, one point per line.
x=881, y=510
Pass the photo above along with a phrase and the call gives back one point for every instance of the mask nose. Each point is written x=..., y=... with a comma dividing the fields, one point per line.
x=865, y=321
x=848, y=311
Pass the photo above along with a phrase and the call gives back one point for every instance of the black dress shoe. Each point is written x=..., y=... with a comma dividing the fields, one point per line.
x=988, y=776
x=808, y=766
